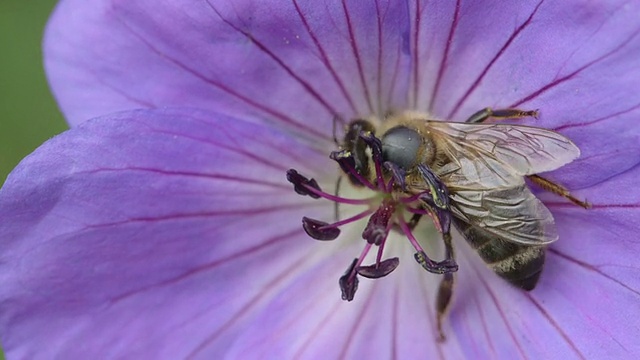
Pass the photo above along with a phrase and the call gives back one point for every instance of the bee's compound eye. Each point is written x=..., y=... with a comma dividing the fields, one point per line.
x=400, y=146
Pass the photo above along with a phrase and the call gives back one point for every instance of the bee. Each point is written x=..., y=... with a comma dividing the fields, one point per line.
x=472, y=175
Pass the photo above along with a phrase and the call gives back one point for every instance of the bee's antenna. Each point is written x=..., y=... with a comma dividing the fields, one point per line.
x=335, y=137
x=336, y=205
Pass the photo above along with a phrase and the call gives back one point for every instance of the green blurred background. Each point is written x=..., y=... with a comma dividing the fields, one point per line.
x=28, y=112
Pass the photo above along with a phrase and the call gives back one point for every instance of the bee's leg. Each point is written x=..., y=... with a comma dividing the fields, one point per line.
x=421, y=257
x=557, y=189
x=445, y=290
x=413, y=222
x=487, y=113
x=447, y=265
x=443, y=301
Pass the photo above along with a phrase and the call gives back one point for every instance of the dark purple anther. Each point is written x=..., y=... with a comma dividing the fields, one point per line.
x=301, y=183
x=375, y=144
x=347, y=163
x=349, y=282
x=379, y=270
x=378, y=226
x=319, y=230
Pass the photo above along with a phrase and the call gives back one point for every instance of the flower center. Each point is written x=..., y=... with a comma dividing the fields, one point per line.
x=387, y=208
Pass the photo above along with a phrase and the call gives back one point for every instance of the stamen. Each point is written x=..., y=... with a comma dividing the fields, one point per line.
x=319, y=230
x=421, y=257
x=346, y=162
x=348, y=283
x=342, y=200
x=405, y=229
x=305, y=186
x=429, y=212
x=378, y=226
x=381, y=247
x=353, y=218
x=302, y=185
x=379, y=269
x=417, y=211
x=323, y=231
x=390, y=184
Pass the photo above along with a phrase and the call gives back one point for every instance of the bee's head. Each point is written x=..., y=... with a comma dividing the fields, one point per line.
x=403, y=146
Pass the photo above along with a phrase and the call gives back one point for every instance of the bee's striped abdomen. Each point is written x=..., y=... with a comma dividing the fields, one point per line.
x=521, y=265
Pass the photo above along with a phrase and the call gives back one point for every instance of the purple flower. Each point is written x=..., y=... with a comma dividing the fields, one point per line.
x=170, y=231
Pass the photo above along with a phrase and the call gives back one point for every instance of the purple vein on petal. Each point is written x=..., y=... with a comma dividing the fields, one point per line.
x=604, y=330
x=101, y=80
x=239, y=179
x=248, y=135
x=604, y=118
x=317, y=330
x=604, y=155
x=416, y=48
x=250, y=101
x=200, y=214
x=301, y=316
x=494, y=298
x=379, y=19
x=285, y=150
x=484, y=325
x=484, y=72
x=214, y=264
x=277, y=60
x=445, y=55
x=593, y=206
x=591, y=268
x=474, y=341
x=554, y=324
x=278, y=164
x=609, y=176
x=238, y=150
x=356, y=325
x=356, y=54
x=325, y=59
x=394, y=78
x=280, y=278
x=431, y=317
x=569, y=76
x=394, y=324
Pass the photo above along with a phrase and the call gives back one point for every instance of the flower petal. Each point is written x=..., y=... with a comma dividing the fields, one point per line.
x=571, y=57
x=134, y=230
x=297, y=63
x=584, y=305
x=581, y=76
x=607, y=150
x=391, y=317
x=575, y=61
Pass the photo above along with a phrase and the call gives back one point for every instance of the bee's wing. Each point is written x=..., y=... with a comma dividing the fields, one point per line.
x=498, y=155
x=513, y=214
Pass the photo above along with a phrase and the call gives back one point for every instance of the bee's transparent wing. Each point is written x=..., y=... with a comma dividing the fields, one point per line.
x=498, y=155
x=513, y=214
